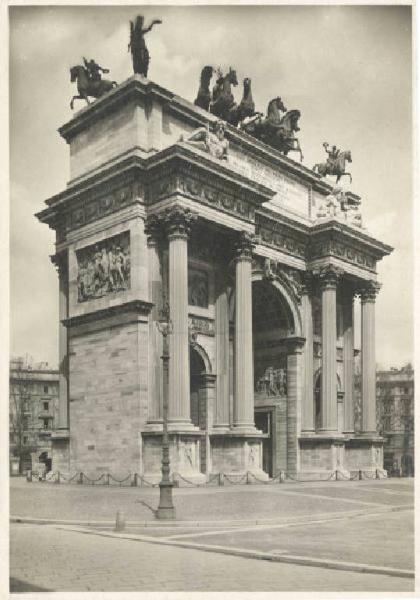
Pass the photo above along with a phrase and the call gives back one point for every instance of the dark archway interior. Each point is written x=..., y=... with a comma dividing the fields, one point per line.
x=272, y=321
x=197, y=367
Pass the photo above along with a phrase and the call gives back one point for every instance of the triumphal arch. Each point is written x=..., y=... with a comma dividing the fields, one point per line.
x=258, y=260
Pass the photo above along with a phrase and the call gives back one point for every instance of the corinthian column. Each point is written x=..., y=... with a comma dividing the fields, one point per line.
x=368, y=296
x=329, y=418
x=178, y=221
x=243, y=408
x=308, y=409
x=348, y=357
x=61, y=262
x=155, y=405
x=221, y=409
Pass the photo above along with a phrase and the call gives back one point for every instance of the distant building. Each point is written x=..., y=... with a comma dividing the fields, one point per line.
x=395, y=418
x=33, y=410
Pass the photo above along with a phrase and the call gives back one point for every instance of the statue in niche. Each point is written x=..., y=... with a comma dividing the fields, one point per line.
x=103, y=268
x=214, y=144
x=137, y=44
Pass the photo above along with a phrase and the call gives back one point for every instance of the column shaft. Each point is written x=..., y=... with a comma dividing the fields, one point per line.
x=221, y=409
x=308, y=408
x=243, y=408
x=155, y=344
x=368, y=365
x=348, y=359
x=294, y=401
x=329, y=357
x=179, y=380
x=63, y=377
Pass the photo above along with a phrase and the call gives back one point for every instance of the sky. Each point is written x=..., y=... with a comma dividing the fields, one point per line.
x=346, y=68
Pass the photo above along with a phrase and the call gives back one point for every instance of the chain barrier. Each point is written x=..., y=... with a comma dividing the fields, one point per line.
x=217, y=479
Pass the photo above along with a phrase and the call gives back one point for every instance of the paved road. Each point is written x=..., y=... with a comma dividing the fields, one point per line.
x=51, y=559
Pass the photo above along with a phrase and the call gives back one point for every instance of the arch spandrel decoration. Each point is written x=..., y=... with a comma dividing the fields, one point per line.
x=203, y=355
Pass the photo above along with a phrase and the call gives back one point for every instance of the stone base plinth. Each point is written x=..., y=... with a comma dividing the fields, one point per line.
x=184, y=454
x=60, y=450
x=236, y=454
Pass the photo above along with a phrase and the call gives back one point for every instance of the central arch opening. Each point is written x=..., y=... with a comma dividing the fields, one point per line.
x=272, y=322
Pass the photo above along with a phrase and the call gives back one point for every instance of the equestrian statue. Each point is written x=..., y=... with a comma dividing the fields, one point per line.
x=137, y=45
x=89, y=81
x=204, y=96
x=336, y=163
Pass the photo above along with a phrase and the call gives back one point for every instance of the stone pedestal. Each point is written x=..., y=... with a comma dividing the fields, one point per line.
x=235, y=454
x=184, y=453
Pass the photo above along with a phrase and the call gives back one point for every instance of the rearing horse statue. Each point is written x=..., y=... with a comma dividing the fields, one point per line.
x=336, y=167
x=204, y=96
x=276, y=130
x=246, y=108
x=223, y=103
x=86, y=87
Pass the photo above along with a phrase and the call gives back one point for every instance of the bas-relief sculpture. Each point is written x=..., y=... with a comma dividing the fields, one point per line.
x=103, y=268
x=272, y=382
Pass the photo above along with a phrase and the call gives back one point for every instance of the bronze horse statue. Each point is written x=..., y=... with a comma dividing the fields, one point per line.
x=276, y=130
x=203, y=96
x=338, y=166
x=246, y=108
x=86, y=87
x=223, y=103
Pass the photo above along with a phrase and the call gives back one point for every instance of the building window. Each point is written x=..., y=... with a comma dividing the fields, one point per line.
x=46, y=405
x=45, y=389
x=46, y=423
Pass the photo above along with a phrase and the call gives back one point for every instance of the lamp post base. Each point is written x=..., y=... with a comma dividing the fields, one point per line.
x=166, y=509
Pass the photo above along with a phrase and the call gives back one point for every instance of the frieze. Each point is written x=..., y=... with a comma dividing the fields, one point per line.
x=97, y=206
x=274, y=234
x=103, y=268
x=201, y=325
x=344, y=252
x=221, y=199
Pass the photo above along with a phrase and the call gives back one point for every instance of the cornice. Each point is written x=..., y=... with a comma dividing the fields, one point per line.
x=139, y=307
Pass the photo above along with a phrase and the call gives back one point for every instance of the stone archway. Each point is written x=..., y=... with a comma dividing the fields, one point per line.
x=202, y=384
x=275, y=319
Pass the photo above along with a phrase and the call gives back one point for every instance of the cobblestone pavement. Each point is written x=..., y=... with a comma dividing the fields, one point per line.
x=52, y=559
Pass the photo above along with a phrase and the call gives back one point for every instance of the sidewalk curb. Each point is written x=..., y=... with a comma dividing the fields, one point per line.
x=254, y=554
x=215, y=523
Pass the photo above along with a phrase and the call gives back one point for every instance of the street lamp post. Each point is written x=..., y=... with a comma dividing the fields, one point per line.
x=166, y=509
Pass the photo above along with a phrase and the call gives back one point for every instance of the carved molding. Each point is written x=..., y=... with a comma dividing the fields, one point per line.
x=343, y=251
x=276, y=235
x=201, y=325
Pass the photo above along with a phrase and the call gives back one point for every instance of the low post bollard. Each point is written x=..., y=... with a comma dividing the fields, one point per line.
x=80, y=478
x=119, y=521
x=220, y=478
x=360, y=475
x=135, y=480
x=58, y=477
x=107, y=479
x=29, y=475
x=336, y=474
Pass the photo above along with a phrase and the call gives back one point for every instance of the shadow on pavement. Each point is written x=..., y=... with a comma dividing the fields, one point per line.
x=19, y=586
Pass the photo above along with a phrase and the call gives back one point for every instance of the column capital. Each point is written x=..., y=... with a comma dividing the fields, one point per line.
x=294, y=345
x=369, y=291
x=178, y=221
x=244, y=244
x=329, y=276
x=153, y=229
x=308, y=283
x=60, y=261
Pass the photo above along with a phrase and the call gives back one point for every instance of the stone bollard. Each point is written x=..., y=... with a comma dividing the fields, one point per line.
x=119, y=521
x=29, y=475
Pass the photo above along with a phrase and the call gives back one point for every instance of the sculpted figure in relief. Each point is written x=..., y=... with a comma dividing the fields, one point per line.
x=207, y=141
